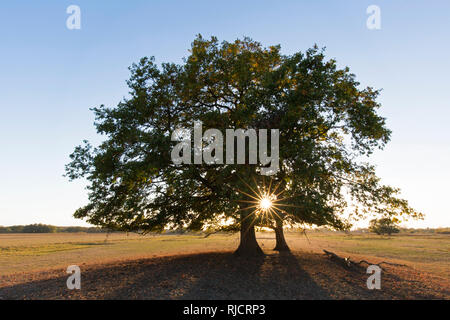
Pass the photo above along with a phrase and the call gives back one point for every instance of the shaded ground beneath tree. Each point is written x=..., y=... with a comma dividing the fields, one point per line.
x=220, y=275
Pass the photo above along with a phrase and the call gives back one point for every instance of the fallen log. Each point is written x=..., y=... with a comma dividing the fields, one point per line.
x=348, y=263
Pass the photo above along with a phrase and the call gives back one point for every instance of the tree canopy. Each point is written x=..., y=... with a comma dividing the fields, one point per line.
x=328, y=126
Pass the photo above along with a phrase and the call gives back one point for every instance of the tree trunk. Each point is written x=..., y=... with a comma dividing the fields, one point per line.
x=281, y=244
x=248, y=245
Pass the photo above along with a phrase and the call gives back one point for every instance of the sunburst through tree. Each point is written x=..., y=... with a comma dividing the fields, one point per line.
x=266, y=202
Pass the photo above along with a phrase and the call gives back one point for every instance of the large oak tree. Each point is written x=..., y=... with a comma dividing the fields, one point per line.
x=328, y=125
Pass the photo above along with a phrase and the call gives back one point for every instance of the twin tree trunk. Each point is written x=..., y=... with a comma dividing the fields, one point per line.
x=281, y=244
x=248, y=245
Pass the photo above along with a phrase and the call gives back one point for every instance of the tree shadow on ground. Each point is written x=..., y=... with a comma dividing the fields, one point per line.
x=217, y=275
x=273, y=276
x=197, y=276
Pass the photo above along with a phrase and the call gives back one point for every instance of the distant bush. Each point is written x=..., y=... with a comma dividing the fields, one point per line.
x=5, y=230
x=426, y=230
x=443, y=231
x=73, y=229
x=11, y=229
x=38, y=228
x=82, y=229
x=383, y=226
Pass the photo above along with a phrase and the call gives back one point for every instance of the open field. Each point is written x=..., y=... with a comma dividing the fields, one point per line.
x=190, y=266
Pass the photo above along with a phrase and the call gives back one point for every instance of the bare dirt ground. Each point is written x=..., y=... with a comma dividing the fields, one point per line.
x=220, y=275
x=213, y=273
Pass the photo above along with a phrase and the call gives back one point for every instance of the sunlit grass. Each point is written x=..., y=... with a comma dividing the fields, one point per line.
x=28, y=252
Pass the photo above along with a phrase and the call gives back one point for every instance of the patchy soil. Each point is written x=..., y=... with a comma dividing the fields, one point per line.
x=220, y=275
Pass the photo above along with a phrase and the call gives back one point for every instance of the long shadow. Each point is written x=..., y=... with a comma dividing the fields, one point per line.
x=274, y=276
x=53, y=288
x=196, y=276
x=218, y=275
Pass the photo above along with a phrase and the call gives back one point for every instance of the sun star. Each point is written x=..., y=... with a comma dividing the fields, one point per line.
x=265, y=203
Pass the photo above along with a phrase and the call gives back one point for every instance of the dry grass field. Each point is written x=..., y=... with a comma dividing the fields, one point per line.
x=121, y=266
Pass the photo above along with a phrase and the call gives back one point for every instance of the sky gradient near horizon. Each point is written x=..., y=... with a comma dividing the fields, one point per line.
x=51, y=76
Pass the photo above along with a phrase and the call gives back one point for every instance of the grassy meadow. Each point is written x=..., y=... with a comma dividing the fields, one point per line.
x=23, y=253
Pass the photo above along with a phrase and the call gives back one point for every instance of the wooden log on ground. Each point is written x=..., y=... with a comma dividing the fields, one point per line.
x=346, y=262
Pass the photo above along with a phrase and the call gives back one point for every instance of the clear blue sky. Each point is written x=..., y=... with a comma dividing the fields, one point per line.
x=50, y=76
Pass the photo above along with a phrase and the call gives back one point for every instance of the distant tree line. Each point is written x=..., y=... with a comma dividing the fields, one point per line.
x=45, y=228
x=426, y=230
